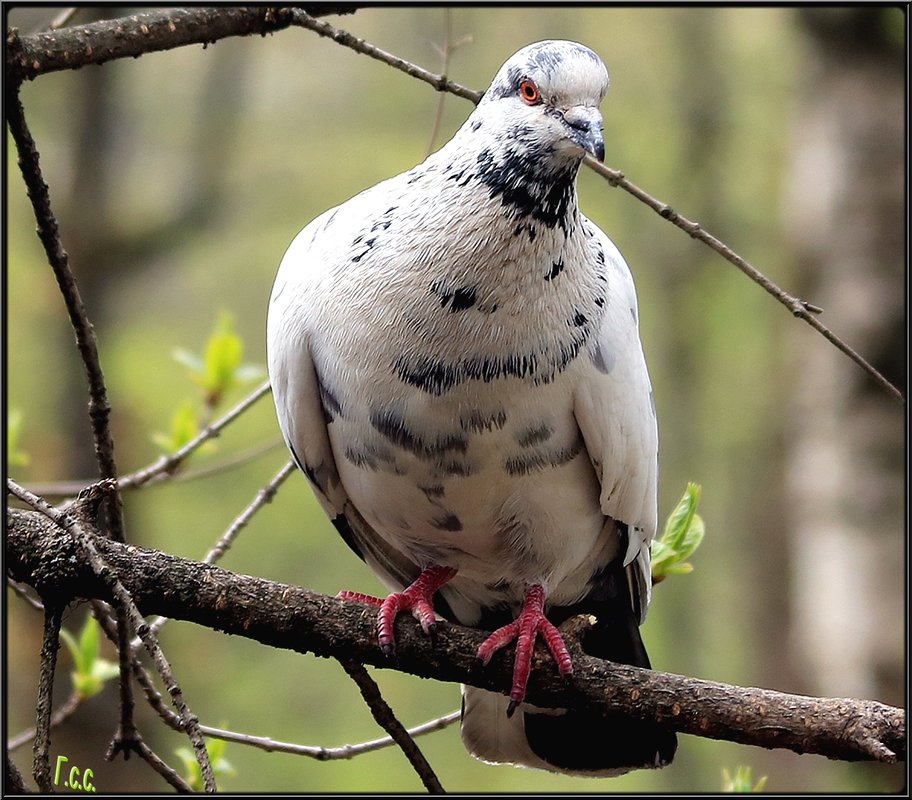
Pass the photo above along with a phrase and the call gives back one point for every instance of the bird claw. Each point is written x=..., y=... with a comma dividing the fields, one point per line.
x=415, y=598
x=525, y=629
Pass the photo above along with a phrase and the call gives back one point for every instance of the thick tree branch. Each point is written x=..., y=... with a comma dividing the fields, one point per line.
x=41, y=765
x=290, y=617
x=73, y=47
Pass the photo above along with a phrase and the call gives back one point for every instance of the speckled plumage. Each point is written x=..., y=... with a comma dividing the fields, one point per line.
x=456, y=367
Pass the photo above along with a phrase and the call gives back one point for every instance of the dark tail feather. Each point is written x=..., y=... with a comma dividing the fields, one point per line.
x=576, y=742
x=584, y=741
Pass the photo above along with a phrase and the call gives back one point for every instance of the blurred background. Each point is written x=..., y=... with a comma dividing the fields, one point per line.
x=178, y=180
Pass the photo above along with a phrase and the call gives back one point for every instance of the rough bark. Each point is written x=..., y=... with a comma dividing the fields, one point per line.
x=97, y=42
x=291, y=617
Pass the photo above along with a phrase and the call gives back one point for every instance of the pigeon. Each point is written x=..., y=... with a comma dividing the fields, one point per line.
x=456, y=367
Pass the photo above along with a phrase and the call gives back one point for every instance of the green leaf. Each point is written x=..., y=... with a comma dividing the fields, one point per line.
x=184, y=427
x=14, y=423
x=679, y=521
x=89, y=643
x=90, y=672
x=71, y=645
x=220, y=765
x=741, y=781
x=190, y=360
x=224, y=352
x=683, y=533
x=219, y=369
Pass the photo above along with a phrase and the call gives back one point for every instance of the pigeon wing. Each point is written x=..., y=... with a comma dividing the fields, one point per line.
x=615, y=411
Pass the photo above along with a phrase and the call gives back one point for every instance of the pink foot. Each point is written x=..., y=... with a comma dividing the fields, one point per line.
x=416, y=598
x=525, y=628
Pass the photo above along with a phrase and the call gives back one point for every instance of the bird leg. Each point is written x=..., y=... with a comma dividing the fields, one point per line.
x=416, y=598
x=525, y=628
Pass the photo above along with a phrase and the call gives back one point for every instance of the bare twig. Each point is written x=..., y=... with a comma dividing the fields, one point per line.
x=446, y=51
x=799, y=308
x=386, y=719
x=70, y=488
x=242, y=605
x=440, y=82
x=163, y=768
x=63, y=713
x=19, y=590
x=263, y=497
x=167, y=464
x=345, y=751
x=229, y=462
x=99, y=409
x=41, y=765
x=102, y=571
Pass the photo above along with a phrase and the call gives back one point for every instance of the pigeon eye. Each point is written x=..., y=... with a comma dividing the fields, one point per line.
x=528, y=91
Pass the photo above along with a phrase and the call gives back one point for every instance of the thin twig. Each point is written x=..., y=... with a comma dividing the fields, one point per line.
x=229, y=462
x=169, y=463
x=70, y=488
x=64, y=18
x=386, y=719
x=162, y=768
x=440, y=82
x=345, y=751
x=263, y=496
x=21, y=591
x=127, y=738
x=444, y=51
x=41, y=765
x=799, y=308
x=63, y=713
x=49, y=234
x=109, y=577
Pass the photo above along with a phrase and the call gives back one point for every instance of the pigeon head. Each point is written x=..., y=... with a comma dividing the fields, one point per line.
x=546, y=96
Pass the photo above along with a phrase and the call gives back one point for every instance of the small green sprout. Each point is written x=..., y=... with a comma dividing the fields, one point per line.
x=219, y=369
x=220, y=765
x=14, y=424
x=741, y=781
x=90, y=672
x=683, y=533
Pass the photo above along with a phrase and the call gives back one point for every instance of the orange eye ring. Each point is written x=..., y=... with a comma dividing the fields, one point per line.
x=529, y=93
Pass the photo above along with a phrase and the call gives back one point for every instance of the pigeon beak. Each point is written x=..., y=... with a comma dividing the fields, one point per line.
x=585, y=123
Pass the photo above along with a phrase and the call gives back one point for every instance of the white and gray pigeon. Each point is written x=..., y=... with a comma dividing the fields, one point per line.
x=457, y=369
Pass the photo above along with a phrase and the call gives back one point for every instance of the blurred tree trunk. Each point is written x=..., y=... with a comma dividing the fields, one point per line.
x=105, y=255
x=844, y=476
